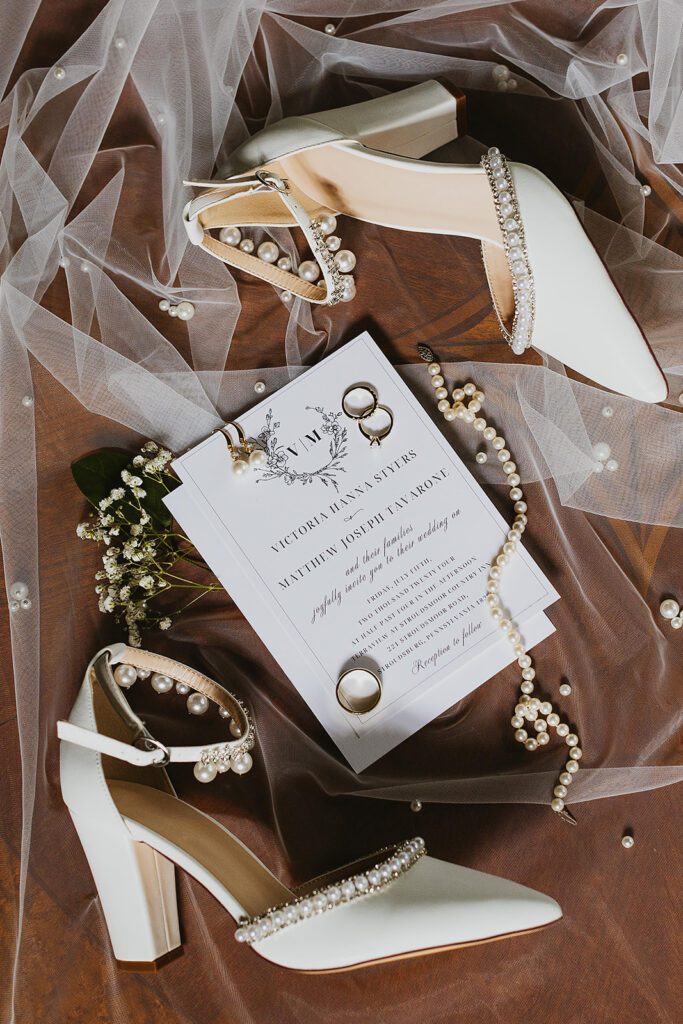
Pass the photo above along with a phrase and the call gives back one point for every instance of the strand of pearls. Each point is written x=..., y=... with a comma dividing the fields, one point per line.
x=533, y=718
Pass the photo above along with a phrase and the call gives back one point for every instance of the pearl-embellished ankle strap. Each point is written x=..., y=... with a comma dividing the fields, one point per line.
x=118, y=667
x=212, y=209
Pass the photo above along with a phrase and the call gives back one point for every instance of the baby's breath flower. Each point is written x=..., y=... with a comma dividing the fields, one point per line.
x=165, y=623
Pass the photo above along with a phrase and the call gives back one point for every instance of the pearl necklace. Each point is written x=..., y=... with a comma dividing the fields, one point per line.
x=539, y=714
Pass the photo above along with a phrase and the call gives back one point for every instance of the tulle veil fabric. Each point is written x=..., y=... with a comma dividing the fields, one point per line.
x=94, y=210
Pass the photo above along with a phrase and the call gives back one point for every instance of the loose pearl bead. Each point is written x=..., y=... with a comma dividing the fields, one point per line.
x=59, y=72
x=185, y=310
x=500, y=72
x=481, y=458
x=622, y=60
x=677, y=622
x=669, y=608
x=612, y=465
x=443, y=405
x=327, y=224
x=309, y=271
x=287, y=298
x=125, y=675
x=645, y=191
x=562, y=729
x=628, y=842
x=553, y=719
x=205, y=772
x=247, y=245
x=257, y=457
x=18, y=590
x=268, y=252
x=416, y=805
x=572, y=767
x=602, y=451
x=14, y=606
x=565, y=778
x=164, y=305
x=242, y=764
x=173, y=311
x=197, y=704
x=259, y=387
x=239, y=467
x=230, y=235
x=557, y=804
x=531, y=743
x=161, y=683
x=521, y=735
x=235, y=729
x=345, y=260
x=565, y=689
x=284, y=263
x=607, y=411
x=182, y=689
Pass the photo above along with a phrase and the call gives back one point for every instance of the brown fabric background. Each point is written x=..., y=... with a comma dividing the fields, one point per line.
x=615, y=957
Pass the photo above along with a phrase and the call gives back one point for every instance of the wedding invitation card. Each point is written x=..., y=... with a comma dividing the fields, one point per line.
x=345, y=554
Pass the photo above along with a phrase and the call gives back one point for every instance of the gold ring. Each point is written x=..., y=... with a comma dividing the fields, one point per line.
x=376, y=431
x=358, y=690
x=358, y=411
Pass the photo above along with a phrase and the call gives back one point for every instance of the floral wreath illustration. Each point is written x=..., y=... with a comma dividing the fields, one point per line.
x=276, y=466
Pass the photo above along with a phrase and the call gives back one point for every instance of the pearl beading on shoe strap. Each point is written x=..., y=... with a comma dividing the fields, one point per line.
x=540, y=714
x=218, y=757
x=403, y=857
x=512, y=229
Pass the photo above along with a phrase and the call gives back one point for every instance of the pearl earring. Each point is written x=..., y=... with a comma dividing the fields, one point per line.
x=243, y=453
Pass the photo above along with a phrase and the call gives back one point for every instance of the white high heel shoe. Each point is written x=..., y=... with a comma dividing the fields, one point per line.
x=133, y=828
x=548, y=284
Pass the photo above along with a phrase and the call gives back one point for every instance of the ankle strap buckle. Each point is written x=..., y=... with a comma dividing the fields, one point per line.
x=149, y=743
x=272, y=181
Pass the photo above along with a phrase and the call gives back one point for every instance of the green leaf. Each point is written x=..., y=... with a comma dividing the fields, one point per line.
x=97, y=474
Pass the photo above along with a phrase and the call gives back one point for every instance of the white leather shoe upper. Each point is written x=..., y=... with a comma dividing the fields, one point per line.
x=434, y=904
x=580, y=316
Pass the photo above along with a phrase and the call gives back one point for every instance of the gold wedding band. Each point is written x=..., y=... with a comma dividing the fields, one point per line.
x=360, y=412
x=359, y=690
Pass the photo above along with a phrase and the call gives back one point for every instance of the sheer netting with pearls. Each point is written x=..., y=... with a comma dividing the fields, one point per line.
x=103, y=117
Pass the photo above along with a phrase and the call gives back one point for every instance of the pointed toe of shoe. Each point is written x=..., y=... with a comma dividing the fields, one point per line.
x=580, y=316
x=434, y=906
